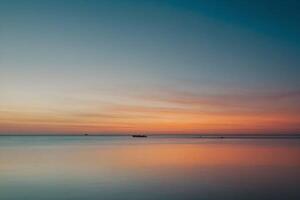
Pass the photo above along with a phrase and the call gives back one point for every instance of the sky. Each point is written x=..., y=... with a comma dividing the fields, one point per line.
x=154, y=67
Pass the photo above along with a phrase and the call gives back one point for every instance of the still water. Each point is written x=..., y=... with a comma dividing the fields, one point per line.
x=103, y=167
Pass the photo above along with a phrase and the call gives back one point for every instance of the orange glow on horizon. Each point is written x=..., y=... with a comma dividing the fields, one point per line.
x=169, y=115
x=153, y=123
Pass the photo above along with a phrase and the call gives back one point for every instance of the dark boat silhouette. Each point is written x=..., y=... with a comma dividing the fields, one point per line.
x=86, y=134
x=139, y=136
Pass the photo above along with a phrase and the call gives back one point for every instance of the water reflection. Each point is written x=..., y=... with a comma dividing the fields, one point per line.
x=152, y=168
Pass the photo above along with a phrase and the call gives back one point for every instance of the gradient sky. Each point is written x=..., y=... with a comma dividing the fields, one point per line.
x=149, y=66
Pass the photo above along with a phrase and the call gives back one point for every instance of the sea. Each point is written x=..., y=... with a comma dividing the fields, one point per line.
x=151, y=168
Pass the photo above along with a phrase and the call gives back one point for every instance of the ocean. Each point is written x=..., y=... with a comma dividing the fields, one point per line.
x=160, y=168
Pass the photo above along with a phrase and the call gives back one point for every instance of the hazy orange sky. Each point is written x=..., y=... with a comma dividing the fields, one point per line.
x=149, y=67
x=162, y=112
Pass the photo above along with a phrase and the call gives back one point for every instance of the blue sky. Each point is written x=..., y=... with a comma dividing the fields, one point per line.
x=60, y=55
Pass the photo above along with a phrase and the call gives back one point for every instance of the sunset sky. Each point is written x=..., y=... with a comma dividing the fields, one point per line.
x=119, y=67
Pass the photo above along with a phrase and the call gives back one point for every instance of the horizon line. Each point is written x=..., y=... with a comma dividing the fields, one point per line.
x=295, y=135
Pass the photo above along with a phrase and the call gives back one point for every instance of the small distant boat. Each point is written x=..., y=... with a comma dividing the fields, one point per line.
x=86, y=134
x=139, y=136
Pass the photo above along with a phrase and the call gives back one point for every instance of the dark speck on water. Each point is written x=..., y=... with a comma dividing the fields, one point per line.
x=139, y=136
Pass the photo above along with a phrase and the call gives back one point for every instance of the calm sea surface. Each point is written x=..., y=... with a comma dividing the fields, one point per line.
x=103, y=167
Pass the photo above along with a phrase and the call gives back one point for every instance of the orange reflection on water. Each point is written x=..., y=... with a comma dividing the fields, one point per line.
x=136, y=157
